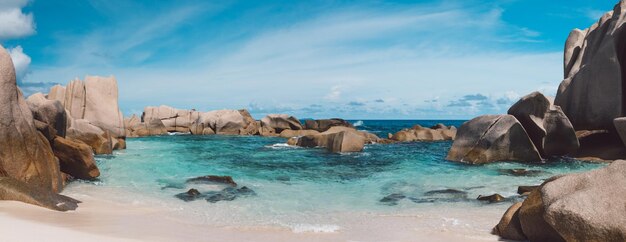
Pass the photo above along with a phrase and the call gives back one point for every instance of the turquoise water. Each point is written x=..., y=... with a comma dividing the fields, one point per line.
x=297, y=185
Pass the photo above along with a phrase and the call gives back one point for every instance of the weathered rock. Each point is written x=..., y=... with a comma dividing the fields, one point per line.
x=337, y=139
x=620, y=126
x=280, y=122
x=521, y=190
x=57, y=92
x=229, y=194
x=509, y=226
x=592, y=93
x=288, y=133
x=136, y=128
x=99, y=140
x=226, y=180
x=14, y=190
x=531, y=216
x=75, y=158
x=494, y=198
x=96, y=100
x=174, y=120
x=322, y=125
x=225, y=122
x=50, y=112
x=392, y=199
x=190, y=195
x=444, y=195
x=492, y=138
x=546, y=125
x=418, y=133
x=25, y=154
x=48, y=131
x=600, y=146
x=520, y=172
x=589, y=206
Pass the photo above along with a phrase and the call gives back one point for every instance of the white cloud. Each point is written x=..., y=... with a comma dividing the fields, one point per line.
x=13, y=22
x=21, y=61
x=334, y=94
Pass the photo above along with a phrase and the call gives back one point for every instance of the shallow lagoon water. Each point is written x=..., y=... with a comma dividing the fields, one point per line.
x=296, y=187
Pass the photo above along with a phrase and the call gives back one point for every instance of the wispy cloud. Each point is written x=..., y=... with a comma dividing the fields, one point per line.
x=414, y=59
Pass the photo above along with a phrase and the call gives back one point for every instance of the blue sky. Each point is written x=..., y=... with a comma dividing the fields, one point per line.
x=438, y=59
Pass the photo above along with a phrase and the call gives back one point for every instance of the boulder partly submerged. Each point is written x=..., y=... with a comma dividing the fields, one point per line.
x=438, y=132
x=492, y=138
x=575, y=207
x=337, y=139
x=274, y=124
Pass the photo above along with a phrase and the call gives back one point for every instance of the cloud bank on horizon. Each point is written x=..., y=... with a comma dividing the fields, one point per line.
x=432, y=59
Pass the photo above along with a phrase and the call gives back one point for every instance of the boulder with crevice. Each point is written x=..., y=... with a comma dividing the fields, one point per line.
x=75, y=158
x=546, y=124
x=492, y=138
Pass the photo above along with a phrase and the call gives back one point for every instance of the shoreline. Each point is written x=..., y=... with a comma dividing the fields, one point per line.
x=98, y=219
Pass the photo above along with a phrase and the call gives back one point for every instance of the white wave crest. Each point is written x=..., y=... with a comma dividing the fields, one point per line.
x=358, y=123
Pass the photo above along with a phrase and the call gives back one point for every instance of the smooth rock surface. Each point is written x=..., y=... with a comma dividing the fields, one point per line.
x=26, y=154
x=492, y=138
x=14, y=190
x=75, y=158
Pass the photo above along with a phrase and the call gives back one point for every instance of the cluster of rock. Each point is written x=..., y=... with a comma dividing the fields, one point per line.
x=575, y=207
x=438, y=132
x=533, y=129
x=43, y=143
x=337, y=135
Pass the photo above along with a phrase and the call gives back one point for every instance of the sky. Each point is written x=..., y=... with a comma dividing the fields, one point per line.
x=429, y=59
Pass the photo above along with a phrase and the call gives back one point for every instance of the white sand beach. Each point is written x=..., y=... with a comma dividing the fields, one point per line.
x=98, y=220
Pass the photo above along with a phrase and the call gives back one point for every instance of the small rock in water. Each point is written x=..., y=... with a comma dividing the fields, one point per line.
x=524, y=190
x=283, y=178
x=445, y=195
x=190, y=195
x=227, y=180
x=229, y=194
x=392, y=199
x=495, y=198
x=520, y=172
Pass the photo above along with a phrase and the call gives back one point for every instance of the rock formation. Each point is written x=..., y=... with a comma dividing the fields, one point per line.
x=75, y=158
x=99, y=140
x=546, y=125
x=492, y=138
x=50, y=112
x=419, y=133
x=26, y=154
x=336, y=139
x=322, y=125
x=96, y=100
x=576, y=207
x=14, y=190
x=274, y=124
x=592, y=94
x=226, y=122
x=136, y=128
x=175, y=120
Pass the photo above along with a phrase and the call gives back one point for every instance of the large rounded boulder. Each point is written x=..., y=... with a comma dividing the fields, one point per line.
x=75, y=158
x=492, y=138
x=26, y=154
x=99, y=140
x=546, y=125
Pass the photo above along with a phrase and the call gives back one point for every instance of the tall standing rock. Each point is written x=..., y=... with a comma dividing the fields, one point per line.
x=592, y=94
x=25, y=154
x=50, y=112
x=96, y=100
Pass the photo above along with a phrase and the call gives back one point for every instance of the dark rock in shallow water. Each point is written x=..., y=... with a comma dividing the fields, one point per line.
x=495, y=198
x=520, y=172
x=190, y=195
x=445, y=195
x=227, y=180
x=521, y=190
x=283, y=178
x=392, y=199
x=229, y=194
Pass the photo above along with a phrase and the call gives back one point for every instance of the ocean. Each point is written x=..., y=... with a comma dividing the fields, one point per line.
x=309, y=190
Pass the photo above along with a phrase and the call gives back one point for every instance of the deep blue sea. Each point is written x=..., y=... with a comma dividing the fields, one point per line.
x=294, y=186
